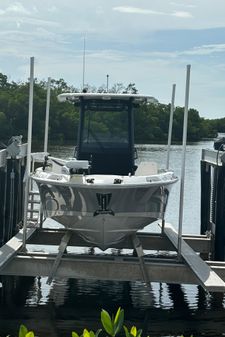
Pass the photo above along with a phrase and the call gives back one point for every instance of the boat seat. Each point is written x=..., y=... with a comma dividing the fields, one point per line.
x=77, y=164
x=146, y=168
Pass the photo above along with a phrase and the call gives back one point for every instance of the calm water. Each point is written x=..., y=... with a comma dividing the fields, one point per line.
x=168, y=310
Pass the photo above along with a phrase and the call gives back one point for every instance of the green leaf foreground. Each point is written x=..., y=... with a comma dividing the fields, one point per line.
x=23, y=332
x=107, y=322
x=118, y=321
x=112, y=326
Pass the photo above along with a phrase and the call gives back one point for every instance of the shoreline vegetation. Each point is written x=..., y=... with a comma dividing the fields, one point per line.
x=151, y=120
x=111, y=326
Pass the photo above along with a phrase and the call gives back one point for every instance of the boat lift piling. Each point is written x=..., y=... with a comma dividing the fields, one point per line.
x=181, y=205
x=169, y=140
x=213, y=200
x=170, y=126
x=29, y=143
x=12, y=168
x=47, y=114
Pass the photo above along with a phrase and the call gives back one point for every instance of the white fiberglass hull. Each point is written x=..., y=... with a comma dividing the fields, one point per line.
x=104, y=209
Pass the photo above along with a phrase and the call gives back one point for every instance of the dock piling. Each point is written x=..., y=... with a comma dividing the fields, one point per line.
x=213, y=200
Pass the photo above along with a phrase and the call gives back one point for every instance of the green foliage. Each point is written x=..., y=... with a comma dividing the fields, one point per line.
x=112, y=325
x=87, y=333
x=3, y=81
x=133, y=332
x=23, y=332
x=151, y=120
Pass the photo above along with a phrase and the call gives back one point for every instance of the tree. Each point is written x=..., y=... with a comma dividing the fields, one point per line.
x=194, y=125
x=4, y=127
x=151, y=120
x=130, y=89
x=3, y=81
x=117, y=88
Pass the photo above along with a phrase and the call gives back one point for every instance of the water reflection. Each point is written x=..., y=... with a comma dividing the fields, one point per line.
x=168, y=310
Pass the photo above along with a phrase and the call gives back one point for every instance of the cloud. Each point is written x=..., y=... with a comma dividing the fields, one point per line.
x=52, y=9
x=41, y=22
x=196, y=51
x=18, y=8
x=29, y=21
x=182, y=4
x=206, y=49
x=181, y=14
x=122, y=55
x=136, y=10
x=144, y=11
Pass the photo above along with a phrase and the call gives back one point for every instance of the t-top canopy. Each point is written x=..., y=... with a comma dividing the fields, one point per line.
x=75, y=97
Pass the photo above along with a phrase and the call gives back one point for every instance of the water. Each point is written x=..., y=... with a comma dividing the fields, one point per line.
x=168, y=310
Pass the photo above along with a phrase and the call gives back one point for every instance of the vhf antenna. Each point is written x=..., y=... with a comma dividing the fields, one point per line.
x=84, y=51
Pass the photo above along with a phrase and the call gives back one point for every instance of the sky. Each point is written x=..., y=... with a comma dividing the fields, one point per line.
x=146, y=42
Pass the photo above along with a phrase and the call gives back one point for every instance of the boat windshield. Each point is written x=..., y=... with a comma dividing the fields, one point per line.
x=106, y=136
x=105, y=127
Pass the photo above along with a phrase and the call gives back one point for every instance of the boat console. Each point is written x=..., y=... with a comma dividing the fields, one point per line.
x=106, y=131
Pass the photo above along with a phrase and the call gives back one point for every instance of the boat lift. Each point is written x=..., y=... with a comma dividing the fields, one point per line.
x=168, y=256
x=148, y=267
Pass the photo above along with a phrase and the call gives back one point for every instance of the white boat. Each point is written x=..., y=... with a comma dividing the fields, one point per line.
x=101, y=193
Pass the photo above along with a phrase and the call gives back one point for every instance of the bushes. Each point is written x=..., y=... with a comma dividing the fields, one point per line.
x=112, y=326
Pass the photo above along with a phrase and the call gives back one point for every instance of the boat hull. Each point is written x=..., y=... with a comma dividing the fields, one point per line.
x=103, y=215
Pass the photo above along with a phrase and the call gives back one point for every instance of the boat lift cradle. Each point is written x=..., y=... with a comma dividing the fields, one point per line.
x=161, y=267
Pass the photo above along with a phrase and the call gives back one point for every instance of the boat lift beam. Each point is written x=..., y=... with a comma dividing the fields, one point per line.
x=62, y=248
x=140, y=253
x=9, y=250
x=152, y=241
x=208, y=279
x=114, y=268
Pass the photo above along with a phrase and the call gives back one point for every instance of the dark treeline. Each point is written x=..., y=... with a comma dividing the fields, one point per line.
x=151, y=121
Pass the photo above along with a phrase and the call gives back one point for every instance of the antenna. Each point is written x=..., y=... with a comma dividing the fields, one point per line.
x=107, y=83
x=84, y=51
